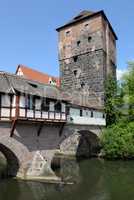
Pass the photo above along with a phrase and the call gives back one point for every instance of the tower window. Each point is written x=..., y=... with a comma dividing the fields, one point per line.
x=75, y=58
x=86, y=25
x=89, y=39
x=67, y=33
x=78, y=43
x=75, y=72
x=82, y=85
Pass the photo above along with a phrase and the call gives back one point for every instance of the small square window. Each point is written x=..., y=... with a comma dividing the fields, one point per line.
x=67, y=33
x=86, y=25
x=89, y=39
x=82, y=85
x=75, y=58
x=75, y=72
x=78, y=43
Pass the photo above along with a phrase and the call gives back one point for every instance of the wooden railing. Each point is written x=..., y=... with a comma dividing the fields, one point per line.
x=8, y=113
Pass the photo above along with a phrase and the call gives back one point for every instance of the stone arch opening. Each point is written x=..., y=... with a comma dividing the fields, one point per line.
x=89, y=144
x=12, y=161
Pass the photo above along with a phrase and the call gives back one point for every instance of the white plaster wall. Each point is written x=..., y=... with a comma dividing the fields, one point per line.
x=63, y=107
x=13, y=112
x=5, y=100
x=22, y=112
x=20, y=73
x=37, y=114
x=22, y=101
x=74, y=112
x=45, y=115
x=87, y=121
x=51, y=115
x=63, y=116
x=30, y=113
x=51, y=106
x=14, y=101
x=57, y=115
x=87, y=113
x=5, y=112
x=97, y=114
x=38, y=104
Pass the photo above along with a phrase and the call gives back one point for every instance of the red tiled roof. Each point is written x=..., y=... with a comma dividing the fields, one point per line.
x=35, y=75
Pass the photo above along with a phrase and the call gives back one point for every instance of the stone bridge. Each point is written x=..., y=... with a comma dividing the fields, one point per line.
x=30, y=156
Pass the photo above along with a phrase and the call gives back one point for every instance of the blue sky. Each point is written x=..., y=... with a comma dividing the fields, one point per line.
x=28, y=36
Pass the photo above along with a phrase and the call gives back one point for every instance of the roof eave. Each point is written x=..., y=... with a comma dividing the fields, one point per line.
x=87, y=17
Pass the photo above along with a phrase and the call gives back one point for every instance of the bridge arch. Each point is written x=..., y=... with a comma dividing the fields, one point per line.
x=81, y=142
x=89, y=144
x=12, y=160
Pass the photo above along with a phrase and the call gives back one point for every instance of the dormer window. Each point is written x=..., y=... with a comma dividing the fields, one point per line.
x=75, y=58
x=52, y=82
x=78, y=43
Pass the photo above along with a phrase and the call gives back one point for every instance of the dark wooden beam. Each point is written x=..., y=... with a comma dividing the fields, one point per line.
x=11, y=101
x=40, y=128
x=61, y=129
x=13, y=126
x=17, y=106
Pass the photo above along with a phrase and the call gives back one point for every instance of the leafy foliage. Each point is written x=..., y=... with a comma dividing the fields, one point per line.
x=118, y=141
x=110, y=94
x=118, y=138
x=128, y=88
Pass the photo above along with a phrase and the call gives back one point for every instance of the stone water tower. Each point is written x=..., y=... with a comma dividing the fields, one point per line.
x=87, y=54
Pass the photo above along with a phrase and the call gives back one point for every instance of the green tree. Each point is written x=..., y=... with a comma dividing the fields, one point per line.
x=118, y=138
x=110, y=95
x=128, y=87
x=118, y=141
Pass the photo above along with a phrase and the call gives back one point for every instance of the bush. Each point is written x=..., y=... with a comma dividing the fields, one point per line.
x=118, y=141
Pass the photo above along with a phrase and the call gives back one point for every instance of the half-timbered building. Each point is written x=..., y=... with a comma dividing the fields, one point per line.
x=25, y=100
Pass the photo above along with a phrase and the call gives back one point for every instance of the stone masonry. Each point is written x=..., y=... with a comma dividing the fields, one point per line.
x=87, y=54
x=30, y=156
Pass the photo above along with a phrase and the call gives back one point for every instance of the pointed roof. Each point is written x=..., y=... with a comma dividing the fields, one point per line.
x=11, y=83
x=86, y=15
x=35, y=75
x=81, y=15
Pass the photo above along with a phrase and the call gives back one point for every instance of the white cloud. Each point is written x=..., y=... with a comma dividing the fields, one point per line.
x=120, y=73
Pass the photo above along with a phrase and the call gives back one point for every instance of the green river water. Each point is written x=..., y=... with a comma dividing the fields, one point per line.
x=94, y=180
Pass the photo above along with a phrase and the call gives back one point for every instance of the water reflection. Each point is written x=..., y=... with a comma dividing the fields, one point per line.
x=94, y=180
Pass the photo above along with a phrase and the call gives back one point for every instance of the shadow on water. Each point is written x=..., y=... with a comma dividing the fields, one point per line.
x=94, y=180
